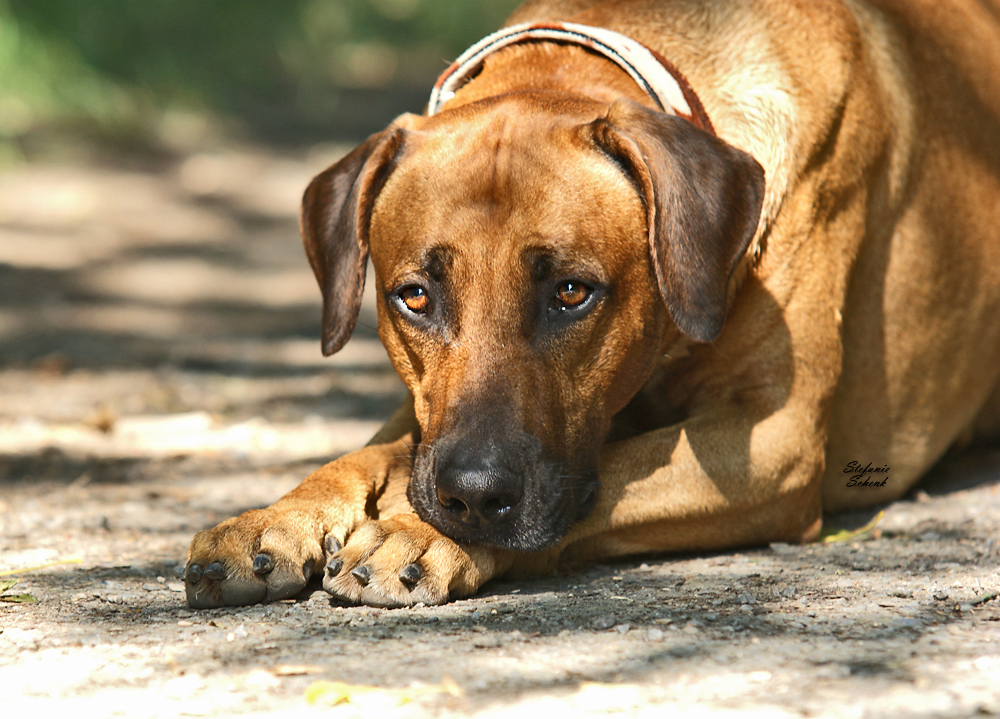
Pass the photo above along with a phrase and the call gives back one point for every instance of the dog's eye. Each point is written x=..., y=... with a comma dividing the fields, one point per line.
x=570, y=295
x=416, y=299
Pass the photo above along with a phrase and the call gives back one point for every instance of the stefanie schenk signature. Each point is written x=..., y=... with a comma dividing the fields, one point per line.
x=861, y=474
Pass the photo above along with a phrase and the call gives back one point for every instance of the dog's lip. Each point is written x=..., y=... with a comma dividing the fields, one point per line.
x=518, y=531
x=535, y=541
x=586, y=505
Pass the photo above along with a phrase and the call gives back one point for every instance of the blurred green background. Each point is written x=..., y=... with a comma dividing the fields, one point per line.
x=280, y=71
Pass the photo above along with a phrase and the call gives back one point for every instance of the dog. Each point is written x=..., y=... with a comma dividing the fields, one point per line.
x=660, y=275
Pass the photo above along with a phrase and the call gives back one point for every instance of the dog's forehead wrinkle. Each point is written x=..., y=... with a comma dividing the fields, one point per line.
x=436, y=261
x=561, y=258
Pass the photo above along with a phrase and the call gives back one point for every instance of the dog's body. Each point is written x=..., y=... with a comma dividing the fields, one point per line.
x=555, y=259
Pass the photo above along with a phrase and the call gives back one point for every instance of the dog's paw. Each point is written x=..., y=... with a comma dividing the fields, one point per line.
x=398, y=562
x=261, y=556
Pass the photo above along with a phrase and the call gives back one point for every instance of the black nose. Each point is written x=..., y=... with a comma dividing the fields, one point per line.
x=478, y=497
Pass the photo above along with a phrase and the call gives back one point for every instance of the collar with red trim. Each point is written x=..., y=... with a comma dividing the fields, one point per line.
x=652, y=72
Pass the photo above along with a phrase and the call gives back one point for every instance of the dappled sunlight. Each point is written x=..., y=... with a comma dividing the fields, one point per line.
x=161, y=372
x=170, y=311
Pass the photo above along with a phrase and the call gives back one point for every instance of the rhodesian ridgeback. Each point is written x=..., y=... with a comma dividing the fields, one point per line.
x=659, y=276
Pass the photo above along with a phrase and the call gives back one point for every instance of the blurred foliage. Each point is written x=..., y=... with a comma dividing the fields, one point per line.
x=120, y=66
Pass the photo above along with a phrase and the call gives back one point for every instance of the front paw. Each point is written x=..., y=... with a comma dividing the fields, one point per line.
x=261, y=556
x=402, y=561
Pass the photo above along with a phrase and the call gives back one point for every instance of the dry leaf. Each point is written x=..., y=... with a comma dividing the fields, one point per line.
x=846, y=535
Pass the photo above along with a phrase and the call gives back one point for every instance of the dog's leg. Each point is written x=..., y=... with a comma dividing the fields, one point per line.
x=714, y=481
x=351, y=517
x=401, y=560
x=270, y=554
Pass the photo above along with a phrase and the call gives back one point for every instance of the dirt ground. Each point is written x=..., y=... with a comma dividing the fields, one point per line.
x=160, y=371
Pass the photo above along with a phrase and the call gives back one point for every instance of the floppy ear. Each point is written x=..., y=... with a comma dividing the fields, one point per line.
x=336, y=209
x=703, y=200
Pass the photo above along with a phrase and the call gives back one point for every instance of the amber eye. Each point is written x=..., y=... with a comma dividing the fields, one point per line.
x=415, y=299
x=571, y=294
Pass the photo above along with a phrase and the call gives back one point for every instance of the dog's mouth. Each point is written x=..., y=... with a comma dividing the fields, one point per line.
x=518, y=501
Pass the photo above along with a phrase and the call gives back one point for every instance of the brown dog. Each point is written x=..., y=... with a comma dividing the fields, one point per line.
x=629, y=327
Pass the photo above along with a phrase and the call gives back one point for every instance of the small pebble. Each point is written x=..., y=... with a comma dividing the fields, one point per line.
x=605, y=622
x=783, y=548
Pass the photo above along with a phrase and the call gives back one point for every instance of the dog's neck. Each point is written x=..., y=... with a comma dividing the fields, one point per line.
x=659, y=82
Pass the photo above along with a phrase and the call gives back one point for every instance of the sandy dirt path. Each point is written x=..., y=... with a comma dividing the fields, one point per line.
x=160, y=371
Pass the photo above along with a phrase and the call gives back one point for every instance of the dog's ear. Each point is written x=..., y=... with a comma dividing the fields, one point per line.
x=336, y=210
x=703, y=201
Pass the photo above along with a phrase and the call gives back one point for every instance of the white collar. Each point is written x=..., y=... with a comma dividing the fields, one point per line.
x=650, y=71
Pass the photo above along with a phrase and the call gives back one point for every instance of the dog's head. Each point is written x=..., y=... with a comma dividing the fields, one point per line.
x=532, y=258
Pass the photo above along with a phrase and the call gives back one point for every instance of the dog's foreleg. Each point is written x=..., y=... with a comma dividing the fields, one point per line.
x=716, y=480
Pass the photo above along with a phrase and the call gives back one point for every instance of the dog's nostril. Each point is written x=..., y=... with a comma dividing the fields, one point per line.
x=454, y=505
x=496, y=507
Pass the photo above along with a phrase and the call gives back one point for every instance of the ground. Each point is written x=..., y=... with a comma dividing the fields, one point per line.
x=160, y=371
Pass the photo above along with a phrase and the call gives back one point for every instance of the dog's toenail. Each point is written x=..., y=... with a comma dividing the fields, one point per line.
x=334, y=566
x=363, y=574
x=411, y=574
x=263, y=564
x=332, y=544
x=215, y=571
x=193, y=573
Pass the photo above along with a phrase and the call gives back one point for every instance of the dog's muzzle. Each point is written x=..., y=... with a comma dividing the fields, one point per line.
x=501, y=492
